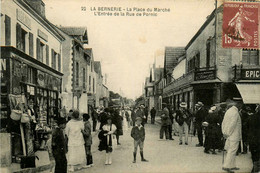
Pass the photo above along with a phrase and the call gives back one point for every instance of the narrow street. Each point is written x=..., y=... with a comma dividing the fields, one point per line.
x=163, y=156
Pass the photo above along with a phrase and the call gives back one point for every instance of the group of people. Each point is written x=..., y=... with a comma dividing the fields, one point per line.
x=230, y=126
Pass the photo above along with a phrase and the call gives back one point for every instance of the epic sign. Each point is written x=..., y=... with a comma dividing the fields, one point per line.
x=250, y=74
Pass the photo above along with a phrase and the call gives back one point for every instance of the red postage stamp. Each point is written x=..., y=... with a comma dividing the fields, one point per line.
x=240, y=25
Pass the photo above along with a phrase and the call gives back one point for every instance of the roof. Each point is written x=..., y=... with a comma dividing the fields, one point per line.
x=171, y=56
x=97, y=67
x=88, y=51
x=77, y=31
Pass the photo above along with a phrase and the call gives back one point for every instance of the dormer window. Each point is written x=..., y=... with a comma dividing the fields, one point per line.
x=85, y=37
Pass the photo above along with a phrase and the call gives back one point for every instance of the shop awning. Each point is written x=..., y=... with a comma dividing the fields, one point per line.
x=249, y=92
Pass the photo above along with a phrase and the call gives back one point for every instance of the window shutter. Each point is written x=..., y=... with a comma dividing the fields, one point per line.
x=7, y=30
x=59, y=63
x=31, y=44
x=38, y=44
x=47, y=55
x=18, y=36
x=52, y=58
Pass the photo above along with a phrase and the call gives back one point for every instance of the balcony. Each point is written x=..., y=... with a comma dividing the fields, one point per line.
x=241, y=72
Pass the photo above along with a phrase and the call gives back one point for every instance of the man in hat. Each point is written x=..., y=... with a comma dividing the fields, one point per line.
x=165, y=118
x=59, y=146
x=183, y=118
x=231, y=129
x=200, y=116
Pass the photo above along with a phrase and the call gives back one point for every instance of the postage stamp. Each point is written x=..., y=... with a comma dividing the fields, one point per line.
x=241, y=25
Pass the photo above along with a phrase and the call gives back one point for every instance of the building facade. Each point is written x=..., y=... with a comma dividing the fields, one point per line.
x=31, y=74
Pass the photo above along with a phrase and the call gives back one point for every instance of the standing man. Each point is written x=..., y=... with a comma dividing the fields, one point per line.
x=183, y=119
x=231, y=129
x=153, y=113
x=146, y=111
x=200, y=116
x=165, y=122
x=133, y=116
x=94, y=118
x=170, y=122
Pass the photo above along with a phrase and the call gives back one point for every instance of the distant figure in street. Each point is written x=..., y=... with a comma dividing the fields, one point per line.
x=165, y=122
x=76, y=149
x=133, y=116
x=140, y=113
x=94, y=115
x=138, y=134
x=146, y=112
x=170, y=121
x=183, y=119
x=153, y=113
x=200, y=116
x=103, y=117
x=106, y=137
x=88, y=139
x=254, y=138
x=231, y=129
x=59, y=147
x=117, y=120
x=127, y=116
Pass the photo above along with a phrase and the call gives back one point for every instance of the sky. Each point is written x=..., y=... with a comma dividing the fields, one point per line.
x=127, y=46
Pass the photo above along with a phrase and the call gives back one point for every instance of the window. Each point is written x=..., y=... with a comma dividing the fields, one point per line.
x=84, y=78
x=77, y=74
x=89, y=80
x=250, y=57
x=54, y=59
x=41, y=52
x=7, y=30
x=59, y=62
x=23, y=41
x=93, y=85
x=20, y=38
x=197, y=60
x=208, y=54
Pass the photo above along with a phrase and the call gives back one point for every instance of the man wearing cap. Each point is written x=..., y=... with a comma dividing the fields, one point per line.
x=200, y=116
x=183, y=119
x=231, y=129
x=165, y=118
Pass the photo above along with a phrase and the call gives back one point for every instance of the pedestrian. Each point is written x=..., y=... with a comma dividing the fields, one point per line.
x=106, y=137
x=165, y=122
x=138, y=134
x=59, y=146
x=212, y=130
x=76, y=149
x=231, y=129
x=153, y=113
x=87, y=139
x=94, y=115
x=70, y=114
x=140, y=113
x=200, y=116
x=103, y=117
x=146, y=112
x=254, y=138
x=183, y=119
x=170, y=122
x=133, y=116
x=127, y=116
x=117, y=120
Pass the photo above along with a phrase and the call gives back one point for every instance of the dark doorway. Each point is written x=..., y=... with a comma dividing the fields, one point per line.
x=205, y=96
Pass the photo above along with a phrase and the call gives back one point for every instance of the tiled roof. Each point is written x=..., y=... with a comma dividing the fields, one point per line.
x=171, y=57
x=74, y=30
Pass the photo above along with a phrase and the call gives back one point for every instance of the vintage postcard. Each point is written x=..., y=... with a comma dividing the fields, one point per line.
x=130, y=86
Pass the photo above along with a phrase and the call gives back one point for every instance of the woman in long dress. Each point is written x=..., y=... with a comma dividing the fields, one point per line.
x=76, y=150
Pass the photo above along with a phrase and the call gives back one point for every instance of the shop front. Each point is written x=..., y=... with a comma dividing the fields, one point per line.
x=30, y=102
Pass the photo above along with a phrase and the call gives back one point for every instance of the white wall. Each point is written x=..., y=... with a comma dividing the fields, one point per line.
x=179, y=70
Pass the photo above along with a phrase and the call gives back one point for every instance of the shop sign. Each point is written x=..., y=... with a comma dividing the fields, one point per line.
x=41, y=78
x=3, y=69
x=205, y=75
x=23, y=18
x=250, y=74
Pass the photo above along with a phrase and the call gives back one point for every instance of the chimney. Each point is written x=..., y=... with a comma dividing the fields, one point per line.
x=38, y=6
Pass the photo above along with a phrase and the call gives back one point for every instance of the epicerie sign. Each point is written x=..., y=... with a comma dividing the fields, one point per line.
x=251, y=74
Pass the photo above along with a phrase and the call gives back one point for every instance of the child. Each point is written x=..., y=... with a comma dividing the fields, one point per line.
x=138, y=133
x=59, y=146
x=88, y=139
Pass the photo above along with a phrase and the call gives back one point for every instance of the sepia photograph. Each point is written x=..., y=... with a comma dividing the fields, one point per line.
x=130, y=86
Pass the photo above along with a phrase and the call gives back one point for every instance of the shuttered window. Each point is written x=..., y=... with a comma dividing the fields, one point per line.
x=31, y=44
x=77, y=74
x=84, y=78
x=53, y=59
x=18, y=36
x=47, y=55
x=250, y=57
x=59, y=63
x=7, y=30
x=38, y=48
